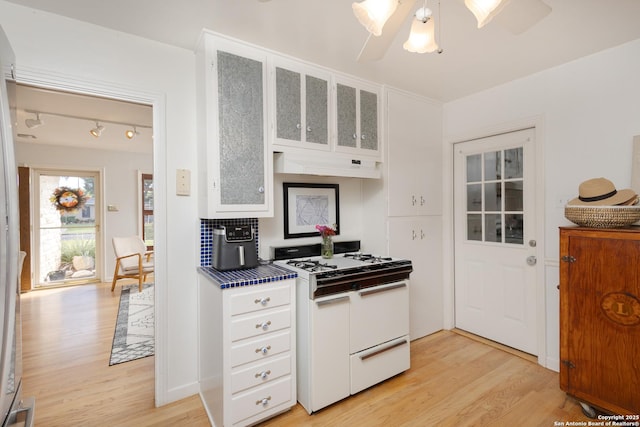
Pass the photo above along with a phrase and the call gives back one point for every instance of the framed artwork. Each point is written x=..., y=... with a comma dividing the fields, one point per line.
x=308, y=205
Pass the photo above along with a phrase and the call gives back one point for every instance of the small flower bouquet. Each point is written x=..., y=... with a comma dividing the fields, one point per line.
x=326, y=232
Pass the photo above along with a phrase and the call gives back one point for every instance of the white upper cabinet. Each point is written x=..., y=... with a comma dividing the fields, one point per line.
x=235, y=162
x=414, y=160
x=358, y=106
x=301, y=105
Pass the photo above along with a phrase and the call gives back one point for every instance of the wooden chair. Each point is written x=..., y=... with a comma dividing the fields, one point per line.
x=133, y=261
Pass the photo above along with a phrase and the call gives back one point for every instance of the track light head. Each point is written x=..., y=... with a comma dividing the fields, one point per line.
x=97, y=131
x=34, y=123
x=131, y=133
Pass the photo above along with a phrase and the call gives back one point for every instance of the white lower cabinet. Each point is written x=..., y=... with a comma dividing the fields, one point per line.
x=419, y=238
x=329, y=350
x=247, y=351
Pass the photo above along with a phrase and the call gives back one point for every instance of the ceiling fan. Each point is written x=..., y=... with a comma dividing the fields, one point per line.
x=516, y=16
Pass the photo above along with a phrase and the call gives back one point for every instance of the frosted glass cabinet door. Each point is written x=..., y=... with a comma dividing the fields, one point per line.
x=302, y=105
x=288, y=105
x=347, y=131
x=317, y=104
x=241, y=130
x=368, y=120
x=357, y=119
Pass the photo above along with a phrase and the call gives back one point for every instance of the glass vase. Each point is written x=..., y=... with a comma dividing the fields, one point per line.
x=326, y=247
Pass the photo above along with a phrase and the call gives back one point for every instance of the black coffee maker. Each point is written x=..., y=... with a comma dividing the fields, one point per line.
x=234, y=248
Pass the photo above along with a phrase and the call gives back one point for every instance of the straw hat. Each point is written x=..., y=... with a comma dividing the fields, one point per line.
x=602, y=192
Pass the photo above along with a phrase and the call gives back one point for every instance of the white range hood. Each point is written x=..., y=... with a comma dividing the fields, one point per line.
x=326, y=164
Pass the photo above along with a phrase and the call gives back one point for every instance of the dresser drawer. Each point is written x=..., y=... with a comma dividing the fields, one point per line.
x=262, y=373
x=266, y=296
x=262, y=399
x=260, y=323
x=260, y=348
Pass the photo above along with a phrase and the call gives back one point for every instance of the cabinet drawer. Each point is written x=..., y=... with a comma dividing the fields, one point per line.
x=260, y=348
x=266, y=296
x=262, y=373
x=260, y=324
x=376, y=364
x=261, y=399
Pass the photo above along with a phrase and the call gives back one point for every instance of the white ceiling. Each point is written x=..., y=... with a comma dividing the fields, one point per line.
x=327, y=33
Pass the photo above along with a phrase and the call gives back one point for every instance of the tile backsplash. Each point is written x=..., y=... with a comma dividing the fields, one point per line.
x=206, y=235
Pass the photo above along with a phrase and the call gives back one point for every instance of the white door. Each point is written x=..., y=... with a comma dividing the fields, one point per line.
x=66, y=227
x=495, y=234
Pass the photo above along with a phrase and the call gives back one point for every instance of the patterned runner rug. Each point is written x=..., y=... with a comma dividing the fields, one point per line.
x=134, y=335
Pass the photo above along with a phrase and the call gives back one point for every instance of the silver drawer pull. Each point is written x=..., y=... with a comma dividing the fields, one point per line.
x=263, y=374
x=377, y=289
x=262, y=301
x=332, y=301
x=391, y=346
x=263, y=350
x=263, y=402
x=264, y=325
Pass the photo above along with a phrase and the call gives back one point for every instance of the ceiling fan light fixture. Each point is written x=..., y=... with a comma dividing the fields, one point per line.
x=485, y=10
x=373, y=14
x=97, y=131
x=422, y=38
x=34, y=123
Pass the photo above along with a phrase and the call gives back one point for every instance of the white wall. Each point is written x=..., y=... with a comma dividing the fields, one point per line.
x=590, y=113
x=120, y=182
x=79, y=53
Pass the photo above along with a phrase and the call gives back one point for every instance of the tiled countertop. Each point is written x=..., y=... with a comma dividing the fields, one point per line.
x=251, y=276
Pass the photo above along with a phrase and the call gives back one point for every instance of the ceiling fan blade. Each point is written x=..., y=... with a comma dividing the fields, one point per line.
x=376, y=46
x=520, y=15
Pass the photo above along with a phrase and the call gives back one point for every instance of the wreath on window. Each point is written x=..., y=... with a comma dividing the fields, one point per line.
x=68, y=199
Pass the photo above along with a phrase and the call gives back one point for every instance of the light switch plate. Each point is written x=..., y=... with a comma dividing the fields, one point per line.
x=183, y=182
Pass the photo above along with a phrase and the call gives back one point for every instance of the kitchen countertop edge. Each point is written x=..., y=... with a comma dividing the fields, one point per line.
x=259, y=275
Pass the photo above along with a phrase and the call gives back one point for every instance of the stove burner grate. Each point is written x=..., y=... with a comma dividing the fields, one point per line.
x=368, y=258
x=311, y=265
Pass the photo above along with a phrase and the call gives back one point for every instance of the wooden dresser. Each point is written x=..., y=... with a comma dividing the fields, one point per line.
x=600, y=318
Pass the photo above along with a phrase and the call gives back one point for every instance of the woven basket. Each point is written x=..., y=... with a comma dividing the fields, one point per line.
x=602, y=216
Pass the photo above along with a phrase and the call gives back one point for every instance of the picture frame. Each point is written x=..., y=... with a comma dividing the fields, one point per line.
x=308, y=205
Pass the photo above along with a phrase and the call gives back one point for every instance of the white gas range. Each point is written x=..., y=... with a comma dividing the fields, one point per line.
x=352, y=321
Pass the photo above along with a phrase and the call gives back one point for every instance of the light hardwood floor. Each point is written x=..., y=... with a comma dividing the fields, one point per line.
x=453, y=380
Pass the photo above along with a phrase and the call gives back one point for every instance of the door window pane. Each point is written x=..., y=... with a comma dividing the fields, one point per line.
x=513, y=163
x=493, y=197
x=66, y=229
x=474, y=227
x=492, y=166
x=513, y=200
x=493, y=228
x=474, y=168
x=474, y=197
x=513, y=232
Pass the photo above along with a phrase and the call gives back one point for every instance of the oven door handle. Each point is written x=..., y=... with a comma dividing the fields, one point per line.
x=381, y=349
x=383, y=288
x=332, y=300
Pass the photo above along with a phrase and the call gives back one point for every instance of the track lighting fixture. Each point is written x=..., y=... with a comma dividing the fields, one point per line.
x=34, y=123
x=131, y=133
x=97, y=131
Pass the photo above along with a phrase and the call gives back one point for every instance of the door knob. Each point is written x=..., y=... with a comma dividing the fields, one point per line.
x=531, y=260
